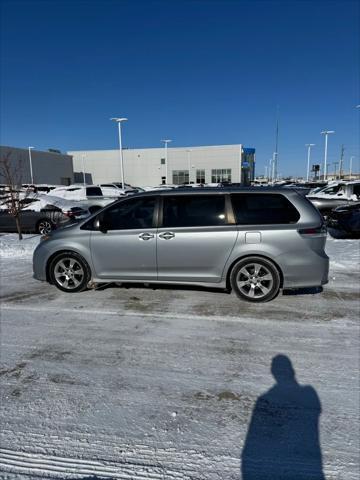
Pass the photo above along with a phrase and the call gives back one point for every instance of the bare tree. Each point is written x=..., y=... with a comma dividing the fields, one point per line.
x=11, y=174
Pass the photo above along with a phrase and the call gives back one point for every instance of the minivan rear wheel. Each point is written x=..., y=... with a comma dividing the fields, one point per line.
x=255, y=279
x=69, y=272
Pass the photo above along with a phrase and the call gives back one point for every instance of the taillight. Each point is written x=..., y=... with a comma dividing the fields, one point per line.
x=69, y=214
x=320, y=230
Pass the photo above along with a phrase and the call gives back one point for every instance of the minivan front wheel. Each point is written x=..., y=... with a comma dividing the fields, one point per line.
x=255, y=279
x=69, y=272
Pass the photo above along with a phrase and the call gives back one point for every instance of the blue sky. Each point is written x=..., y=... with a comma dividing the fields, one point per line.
x=199, y=72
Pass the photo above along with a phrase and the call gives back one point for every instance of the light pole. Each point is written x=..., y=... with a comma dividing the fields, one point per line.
x=189, y=162
x=308, y=145
x=350, y=173
x=270, y=170
x=31, y=169
x=83, y=167
x=119, y=120
x=166, y=158
x=326, y=133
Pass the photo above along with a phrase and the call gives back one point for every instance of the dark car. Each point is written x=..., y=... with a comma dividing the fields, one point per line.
x=344, y=221
x=42, y=222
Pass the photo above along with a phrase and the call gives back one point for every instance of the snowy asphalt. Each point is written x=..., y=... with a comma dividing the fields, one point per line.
x=141, y=383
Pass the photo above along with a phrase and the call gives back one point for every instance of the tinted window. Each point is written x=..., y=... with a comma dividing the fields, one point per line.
x=194, y=211
x=263, y=209
x=130, y=214
x=93, y=192
x=332, y=190
x=357, y=190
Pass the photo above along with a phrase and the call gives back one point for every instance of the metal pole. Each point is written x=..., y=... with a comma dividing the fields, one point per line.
x=189, y=162
x=121, y=157
x=31, y=169
x=350, y=173
x=166, y=164
x=83, y=168
x=325, y=157
x=309, y=145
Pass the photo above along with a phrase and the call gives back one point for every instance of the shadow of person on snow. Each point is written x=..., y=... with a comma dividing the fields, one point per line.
x=282, y=441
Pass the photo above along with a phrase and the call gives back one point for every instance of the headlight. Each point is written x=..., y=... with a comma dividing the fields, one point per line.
x=44, y=237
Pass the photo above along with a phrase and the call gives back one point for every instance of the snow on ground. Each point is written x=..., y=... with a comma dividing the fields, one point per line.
x=11, y=246
x=141, y=383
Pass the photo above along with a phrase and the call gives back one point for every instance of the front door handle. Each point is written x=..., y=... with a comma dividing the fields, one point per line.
x=167, y=235
x=146, y=236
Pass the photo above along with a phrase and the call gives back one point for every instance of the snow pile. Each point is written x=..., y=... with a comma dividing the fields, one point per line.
x=344, y=254
x=11, y=246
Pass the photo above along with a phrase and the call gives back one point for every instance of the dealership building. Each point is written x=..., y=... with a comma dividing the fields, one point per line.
x=34, y=166
x=155, y=166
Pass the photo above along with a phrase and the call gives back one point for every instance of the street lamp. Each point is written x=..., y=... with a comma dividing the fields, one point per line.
x=308, y=145
x=83, y=167
x=166, y=158
x=31, y=170
x=189, y=162
x=119, y=120
x=350, y=172
x=326, y=133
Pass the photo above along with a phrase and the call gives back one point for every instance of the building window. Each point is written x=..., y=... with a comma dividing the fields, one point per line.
x=65, y=180
x=163, y=180
x=180, y=176
x=162, y=161
x=200, y=176
x=221, y=175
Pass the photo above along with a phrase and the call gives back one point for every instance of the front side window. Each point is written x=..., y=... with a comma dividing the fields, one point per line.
x=332, y=190
x=131, y=214
x=263, y=209
x=219, y=175
x=194, y=211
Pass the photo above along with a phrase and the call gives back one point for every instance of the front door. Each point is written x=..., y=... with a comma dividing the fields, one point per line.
x=126, y=250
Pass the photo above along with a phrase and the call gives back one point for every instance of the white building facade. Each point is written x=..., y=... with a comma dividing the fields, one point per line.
x=148, y=166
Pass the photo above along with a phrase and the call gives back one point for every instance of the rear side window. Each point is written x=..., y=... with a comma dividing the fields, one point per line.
x=263, y=209
x=194, y=211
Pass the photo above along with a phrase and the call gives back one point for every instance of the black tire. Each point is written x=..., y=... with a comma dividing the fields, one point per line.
x=69, y=272
x=255, y=279
x=44, y=226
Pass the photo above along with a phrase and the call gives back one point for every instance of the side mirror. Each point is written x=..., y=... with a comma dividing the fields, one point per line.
x=100, y=225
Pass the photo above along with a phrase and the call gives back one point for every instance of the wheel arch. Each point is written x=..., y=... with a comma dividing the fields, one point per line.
x=249, y=255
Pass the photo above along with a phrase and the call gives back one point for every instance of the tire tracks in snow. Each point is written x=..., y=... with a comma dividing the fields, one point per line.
x=151, y=467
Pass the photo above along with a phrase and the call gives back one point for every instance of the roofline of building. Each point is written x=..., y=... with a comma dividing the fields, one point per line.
x=189, y=147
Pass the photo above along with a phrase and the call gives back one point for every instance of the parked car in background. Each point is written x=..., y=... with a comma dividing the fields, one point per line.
x=91, y=194
x=344, y=221
x=334, y=195
x=254, y=242
x=42, y=222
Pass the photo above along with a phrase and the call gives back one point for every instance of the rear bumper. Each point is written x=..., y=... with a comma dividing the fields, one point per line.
x=300, y=272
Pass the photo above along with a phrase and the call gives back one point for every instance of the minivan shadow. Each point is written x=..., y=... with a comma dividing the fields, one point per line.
x=303, y=291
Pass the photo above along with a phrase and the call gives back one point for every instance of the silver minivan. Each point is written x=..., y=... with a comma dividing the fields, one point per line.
x=254, y=241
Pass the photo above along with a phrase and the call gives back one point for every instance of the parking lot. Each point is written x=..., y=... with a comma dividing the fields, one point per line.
x=142, y=383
